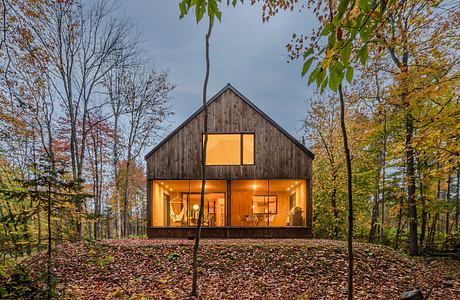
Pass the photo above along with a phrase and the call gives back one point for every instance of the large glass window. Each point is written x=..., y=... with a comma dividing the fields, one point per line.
x=268, y=202
x=177, y=202
x=230, y=149
x=254, y=203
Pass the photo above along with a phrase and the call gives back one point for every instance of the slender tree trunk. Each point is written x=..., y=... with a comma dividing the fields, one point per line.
x=436, y=216
x=398, y=230
x=203, y=165
x=48, y=262
x=126, y=196
x=116, y=177
x=457, y=202
x=374, y=217
x=51, y=189
x=384, y=157
x=39, y=227
x=350, y=193
x=410, y=182
x=424, y=213
x=334, y=208
x=449, y=181
x=375, y=208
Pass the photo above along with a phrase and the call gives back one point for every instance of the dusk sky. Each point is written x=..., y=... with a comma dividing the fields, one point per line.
x=245, y=52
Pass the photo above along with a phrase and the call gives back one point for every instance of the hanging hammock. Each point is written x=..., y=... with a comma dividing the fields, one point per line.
x=176, y=217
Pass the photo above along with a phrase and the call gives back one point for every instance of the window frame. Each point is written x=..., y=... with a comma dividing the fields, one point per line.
x=241, y=147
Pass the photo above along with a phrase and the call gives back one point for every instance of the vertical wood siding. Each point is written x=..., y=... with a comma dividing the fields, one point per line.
x=276, y=156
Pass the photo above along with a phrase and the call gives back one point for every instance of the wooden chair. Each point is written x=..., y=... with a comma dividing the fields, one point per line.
x=252, y=219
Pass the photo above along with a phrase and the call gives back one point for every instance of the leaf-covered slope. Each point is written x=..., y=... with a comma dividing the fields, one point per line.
x=240, y=269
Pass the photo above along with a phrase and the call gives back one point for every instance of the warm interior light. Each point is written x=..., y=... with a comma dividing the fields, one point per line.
x=162, y=182
x=167, y=186
x=170, y=189
x=254, y=186
x=288, y=189
x=296, y=182
x=292, y=185
x=196, y=206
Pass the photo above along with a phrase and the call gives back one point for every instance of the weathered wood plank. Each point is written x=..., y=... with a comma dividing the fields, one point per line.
x=276, y=156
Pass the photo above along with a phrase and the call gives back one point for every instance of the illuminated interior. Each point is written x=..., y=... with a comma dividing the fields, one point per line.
x=230, y=149
x=252, y=203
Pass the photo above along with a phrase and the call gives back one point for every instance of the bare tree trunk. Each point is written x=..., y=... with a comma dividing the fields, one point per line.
x=410, y=181
x=350, y=193
x=424, y=213
x=449, y=181
x=116, y=175
x=384, y=157
x=39, y=225
x=48, y=263
x=457, y=202
x=375, y=208
x=126, y=196
x=436, y=216
x=334, y=207
x=398, y=230
x=203, y=165
x=374, y=217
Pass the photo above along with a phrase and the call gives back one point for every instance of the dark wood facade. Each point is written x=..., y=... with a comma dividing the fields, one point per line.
x=277, y=154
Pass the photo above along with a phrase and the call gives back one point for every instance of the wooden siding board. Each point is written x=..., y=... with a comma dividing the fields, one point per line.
x=276, y=156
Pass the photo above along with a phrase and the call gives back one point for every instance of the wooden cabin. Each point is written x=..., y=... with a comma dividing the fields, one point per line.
x=258, y=176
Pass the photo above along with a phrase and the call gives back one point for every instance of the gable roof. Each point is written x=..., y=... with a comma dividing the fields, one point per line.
x=248, y=102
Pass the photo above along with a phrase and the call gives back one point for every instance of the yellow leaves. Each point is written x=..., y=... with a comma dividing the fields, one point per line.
x=355, y=12
x=328, y=59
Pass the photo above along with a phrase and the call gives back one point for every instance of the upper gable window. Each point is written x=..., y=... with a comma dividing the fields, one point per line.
x=232, y=149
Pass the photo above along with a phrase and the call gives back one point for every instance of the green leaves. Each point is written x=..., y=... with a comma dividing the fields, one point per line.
x=327, y=29
x=362, y=54
x=306, y=66
x=349, y=74
x=345, y=53
x=365, y=5
x=332, y=62
x=201, y=6
x=335, y=76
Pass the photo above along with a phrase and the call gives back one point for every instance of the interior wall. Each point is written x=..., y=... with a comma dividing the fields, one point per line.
x=158, y=204
x=281, y=218
x=240, y=207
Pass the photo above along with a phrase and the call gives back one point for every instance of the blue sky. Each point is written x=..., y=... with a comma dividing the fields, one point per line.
x=245, y=52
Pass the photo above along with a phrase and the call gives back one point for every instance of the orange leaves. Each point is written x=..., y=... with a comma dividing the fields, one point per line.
x=242, y=269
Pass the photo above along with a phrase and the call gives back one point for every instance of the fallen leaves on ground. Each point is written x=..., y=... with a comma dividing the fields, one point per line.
x=242, y=269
